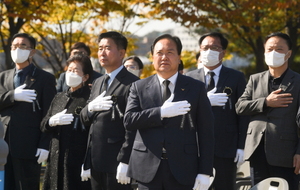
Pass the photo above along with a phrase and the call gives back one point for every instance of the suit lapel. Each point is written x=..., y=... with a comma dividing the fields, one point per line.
x=201, y=75
x=154, y=86
x=287, y=81
x=31, y=78
x=181, y=88
x=116, y=82
x=11, y=75
x=222, y=79
x=264, y=83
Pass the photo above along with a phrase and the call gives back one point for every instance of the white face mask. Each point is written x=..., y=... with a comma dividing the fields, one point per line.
x=135, y=72
x=73, y=80
x=210, y=58
x=274, y=59
x=19, y=55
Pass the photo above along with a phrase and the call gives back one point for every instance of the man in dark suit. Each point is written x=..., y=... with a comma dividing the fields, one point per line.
x=174, y=143
x=78, y=47
x=110, y=144
x=272, y=99
x=230, y=129
x=25, y=96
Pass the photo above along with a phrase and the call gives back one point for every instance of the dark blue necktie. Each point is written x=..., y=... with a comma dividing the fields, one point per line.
x=17, y=78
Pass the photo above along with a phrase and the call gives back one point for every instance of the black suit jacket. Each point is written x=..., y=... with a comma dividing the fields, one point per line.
x=109, y=142
x=189, y=148
x=20, y=121
x=230, y=128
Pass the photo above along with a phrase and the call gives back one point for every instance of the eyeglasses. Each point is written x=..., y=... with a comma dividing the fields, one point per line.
x=214, y=48
x=133, y=67
x=21, y=46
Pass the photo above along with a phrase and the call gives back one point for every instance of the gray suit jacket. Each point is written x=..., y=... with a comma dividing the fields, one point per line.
x=230, y=128
x=183, y=144
x=277, y=125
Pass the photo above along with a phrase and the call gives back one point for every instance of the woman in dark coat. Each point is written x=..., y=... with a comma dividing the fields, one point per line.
x=69, y=136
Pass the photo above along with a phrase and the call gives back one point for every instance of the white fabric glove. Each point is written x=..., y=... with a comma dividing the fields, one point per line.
x=42, y=154
x=202, y=182
x=172, y=109
x=100, y=103
x=61, y=118
x=85, y=174
x=239, y=158
x=122, y=174
x=217, y=99
x=24, y=95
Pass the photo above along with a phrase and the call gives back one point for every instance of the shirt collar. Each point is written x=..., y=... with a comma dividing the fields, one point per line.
x=172, y=79
x=113, y=74
x=25, y=70
x=216, y=70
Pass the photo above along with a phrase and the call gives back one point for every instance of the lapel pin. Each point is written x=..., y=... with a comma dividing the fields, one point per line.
x=182, y=89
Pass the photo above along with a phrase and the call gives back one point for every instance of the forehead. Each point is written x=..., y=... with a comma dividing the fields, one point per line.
x=106, y=42
x=130, y=62
x=75, y=64
x=21, y=40
x=276, y=41
x=211, y=40
x=165, y=44
x=78, y=50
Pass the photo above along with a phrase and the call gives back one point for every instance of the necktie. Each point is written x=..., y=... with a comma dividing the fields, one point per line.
x=105, y=83
x=211, y=83
x=166, y=92
x=17, y=79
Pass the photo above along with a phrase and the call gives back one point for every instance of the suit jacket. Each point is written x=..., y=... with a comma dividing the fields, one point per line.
x=277, y=125
x=109, y=142
x=62, y=85
x=189, y=147
x=21, y=122
x=230, y=129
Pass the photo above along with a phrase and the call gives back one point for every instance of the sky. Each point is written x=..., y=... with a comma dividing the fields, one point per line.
x=154, y=25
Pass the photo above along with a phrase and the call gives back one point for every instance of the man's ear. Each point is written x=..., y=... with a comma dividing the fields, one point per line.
x=32, y=52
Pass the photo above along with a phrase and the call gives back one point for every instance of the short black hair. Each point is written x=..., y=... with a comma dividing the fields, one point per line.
x=281, y=35
x=79, y=45
x=85, y=62
x=24, y=35
x=170, y=37
x=136, y=59
x=118, y=38
x=223, y=40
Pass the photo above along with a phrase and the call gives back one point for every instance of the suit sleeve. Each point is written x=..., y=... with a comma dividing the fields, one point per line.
x=135, y=117
x=243, y=120
x=246, y=105
x=205, y=133
x=48, y=94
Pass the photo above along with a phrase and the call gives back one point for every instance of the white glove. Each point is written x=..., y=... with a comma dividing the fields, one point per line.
x=24, y=95
x=85, y=174
x=61, y=118
x=42, y=154
x=217, y=99
x=239, y=158
x=100, y=103
x=122, y=174
x=172, y=109
x=202, y=182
